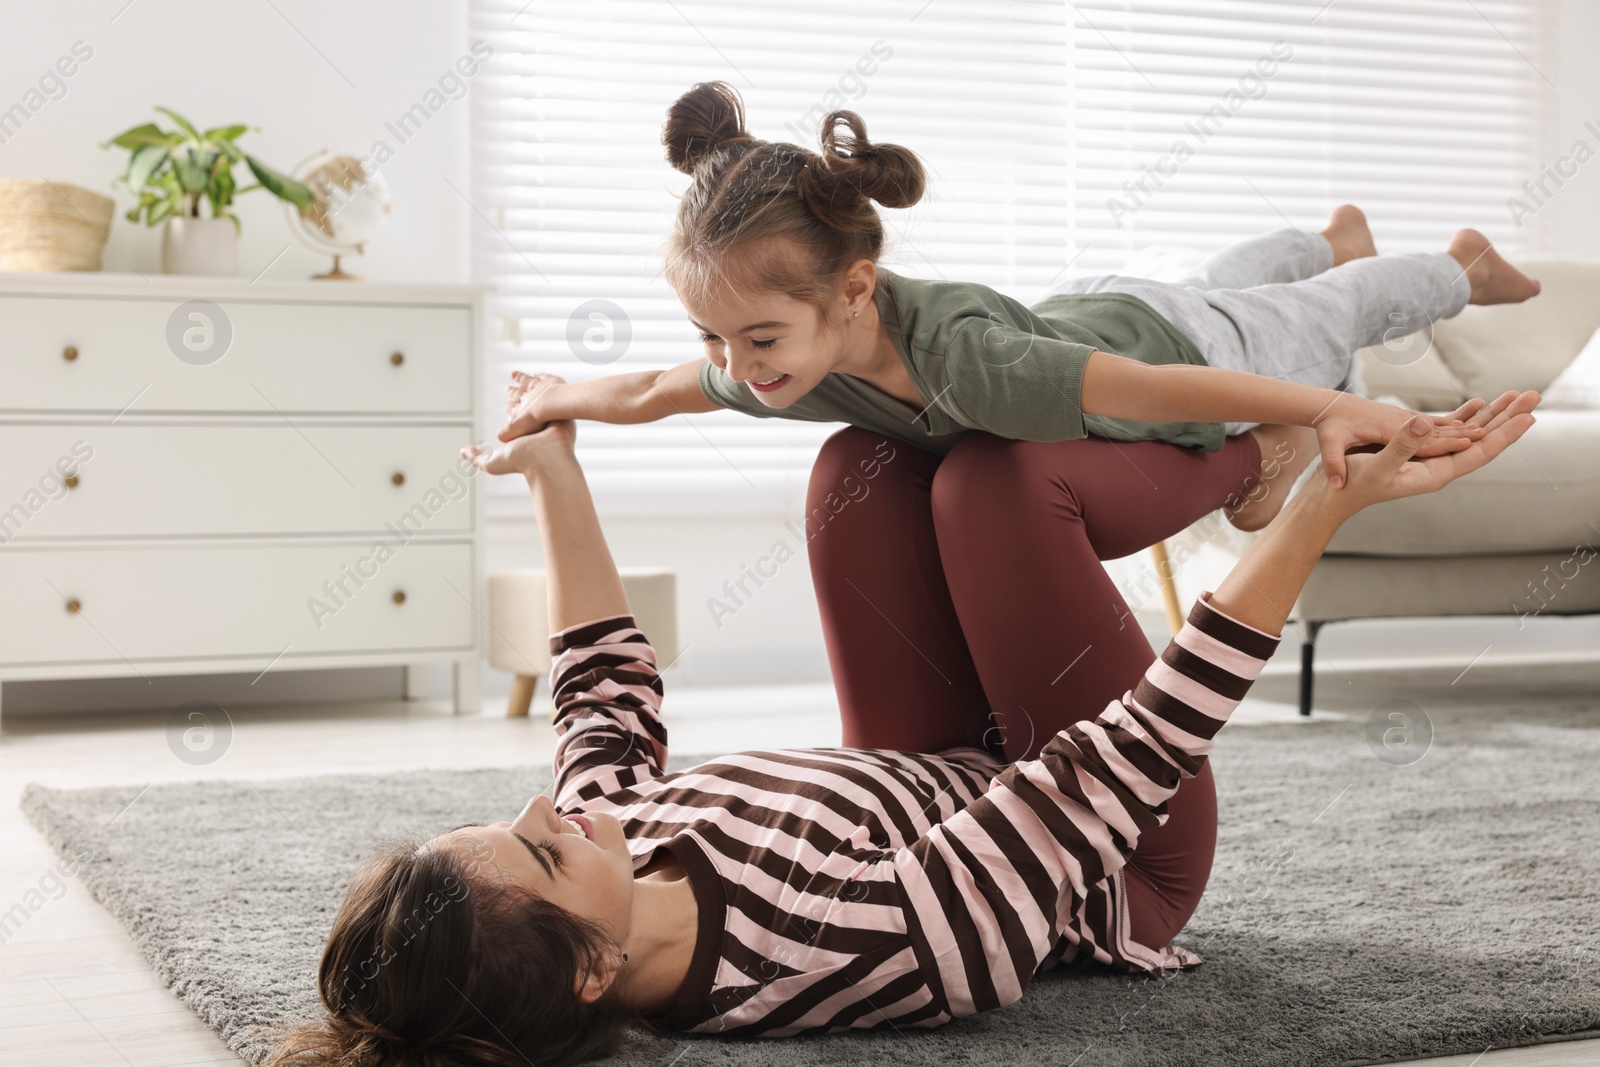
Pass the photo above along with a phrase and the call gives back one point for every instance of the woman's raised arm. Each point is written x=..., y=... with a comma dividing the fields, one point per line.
x=604, y=679
x=581, y=576
x=989, y=892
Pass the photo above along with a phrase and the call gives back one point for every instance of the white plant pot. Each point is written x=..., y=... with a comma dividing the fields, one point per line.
x=200, y=246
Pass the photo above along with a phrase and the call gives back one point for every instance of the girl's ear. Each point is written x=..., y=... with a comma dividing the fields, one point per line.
x=592, y=984
x=860, y=279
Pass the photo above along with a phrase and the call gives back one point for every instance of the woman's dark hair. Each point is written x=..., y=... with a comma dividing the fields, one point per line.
x=770, y=215
x=432, y=963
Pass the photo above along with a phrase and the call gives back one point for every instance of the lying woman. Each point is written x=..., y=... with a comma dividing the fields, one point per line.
x=775, y=893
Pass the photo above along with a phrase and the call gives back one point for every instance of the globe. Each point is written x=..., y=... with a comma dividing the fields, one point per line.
x=350, y=205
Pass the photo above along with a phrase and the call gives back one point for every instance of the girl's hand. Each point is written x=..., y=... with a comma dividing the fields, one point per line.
x=529, y=454
x=522, y=407
x=1352, y=421
x=1400, y=469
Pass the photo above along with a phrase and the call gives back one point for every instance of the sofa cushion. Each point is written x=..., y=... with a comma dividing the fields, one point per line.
x=1421, y=382
x=1523, y=346
x=1543, y=494
x=1578, y=387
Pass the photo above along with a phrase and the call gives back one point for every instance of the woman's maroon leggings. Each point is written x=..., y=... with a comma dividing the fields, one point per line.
x=963, y=604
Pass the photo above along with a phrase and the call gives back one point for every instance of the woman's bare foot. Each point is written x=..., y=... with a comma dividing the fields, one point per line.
x=1493, y=279
x=1349, y=235
x=1285, y=453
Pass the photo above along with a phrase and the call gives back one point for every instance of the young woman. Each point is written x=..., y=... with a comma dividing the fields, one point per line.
x=780, y=892
x=774, y=255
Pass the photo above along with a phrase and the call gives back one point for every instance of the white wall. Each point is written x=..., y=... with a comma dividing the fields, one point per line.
x=330, y=76
x=317, y=76
x=1571, y=219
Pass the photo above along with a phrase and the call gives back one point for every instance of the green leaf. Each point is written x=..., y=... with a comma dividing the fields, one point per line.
x=221, y=193
x=279, y=185
x=191, y=175
x=183, y=123
x=206, y=159
x=149, y=134
x=147, y=159
x=231, y=150
x=159, y=212
x=226, y=133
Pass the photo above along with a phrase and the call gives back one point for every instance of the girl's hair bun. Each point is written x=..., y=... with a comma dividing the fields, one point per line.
x=888, y=173
x=707, y=117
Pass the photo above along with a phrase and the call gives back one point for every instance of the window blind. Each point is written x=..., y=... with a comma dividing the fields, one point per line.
x=1198, y=124
x=1038, y=121
x=569, y=169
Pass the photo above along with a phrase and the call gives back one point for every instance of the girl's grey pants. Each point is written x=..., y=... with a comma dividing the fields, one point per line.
x=1275, y=305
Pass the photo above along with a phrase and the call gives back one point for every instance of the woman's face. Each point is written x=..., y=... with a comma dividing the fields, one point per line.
x=775, y=344
x=579, y=863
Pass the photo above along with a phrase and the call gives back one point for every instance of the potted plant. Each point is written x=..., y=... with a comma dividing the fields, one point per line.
x=172, y=172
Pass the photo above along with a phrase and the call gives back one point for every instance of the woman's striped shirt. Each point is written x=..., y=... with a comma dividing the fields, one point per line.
x=844, y=888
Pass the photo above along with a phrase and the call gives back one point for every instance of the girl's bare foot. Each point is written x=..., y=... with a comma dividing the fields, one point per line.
x=1493, y=280
x=1285, y=453
x=1349, y=235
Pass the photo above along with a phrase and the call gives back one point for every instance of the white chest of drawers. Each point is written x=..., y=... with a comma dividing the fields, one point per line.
x=206, y=475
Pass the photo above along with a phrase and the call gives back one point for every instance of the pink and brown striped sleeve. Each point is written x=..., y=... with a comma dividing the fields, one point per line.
x=607, y=693
x=990, y=891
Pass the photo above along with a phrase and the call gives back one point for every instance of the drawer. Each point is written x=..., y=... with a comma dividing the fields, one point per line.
x=145, y=604
x=280, y=357
x=229, y=480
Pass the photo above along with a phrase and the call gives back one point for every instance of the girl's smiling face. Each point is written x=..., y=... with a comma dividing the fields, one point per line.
x=777, y=345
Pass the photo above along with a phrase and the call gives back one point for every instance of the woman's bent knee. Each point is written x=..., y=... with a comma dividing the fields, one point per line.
x=984, y=472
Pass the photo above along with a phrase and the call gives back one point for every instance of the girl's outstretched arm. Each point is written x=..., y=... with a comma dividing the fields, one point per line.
x=640, y=396
x=1122, y=388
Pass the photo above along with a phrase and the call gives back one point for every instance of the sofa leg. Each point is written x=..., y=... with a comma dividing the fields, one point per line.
x=1308, y=653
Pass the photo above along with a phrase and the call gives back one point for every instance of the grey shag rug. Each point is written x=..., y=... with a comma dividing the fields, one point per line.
x=1360, y=912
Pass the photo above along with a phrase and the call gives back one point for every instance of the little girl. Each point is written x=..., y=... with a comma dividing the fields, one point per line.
x=774, y=256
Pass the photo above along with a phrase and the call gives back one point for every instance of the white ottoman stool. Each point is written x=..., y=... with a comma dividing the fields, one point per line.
x=519, y=623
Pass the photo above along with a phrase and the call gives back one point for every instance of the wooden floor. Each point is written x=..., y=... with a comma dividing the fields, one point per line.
x=75, y=993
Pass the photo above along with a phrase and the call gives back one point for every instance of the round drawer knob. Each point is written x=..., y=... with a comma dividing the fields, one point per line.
x=399, y=596
x=70, y=481
x=396, y=358
x=73, y=606
x=69, y=353
x=398, y=478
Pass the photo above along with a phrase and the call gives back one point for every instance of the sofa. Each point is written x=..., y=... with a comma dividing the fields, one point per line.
x=1517, y=538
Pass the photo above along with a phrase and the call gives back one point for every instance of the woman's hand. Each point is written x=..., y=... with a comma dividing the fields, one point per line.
x=522, y=407
x=1262, y=588
x=529, y=454
x=1352, y=421
x=1413, y=462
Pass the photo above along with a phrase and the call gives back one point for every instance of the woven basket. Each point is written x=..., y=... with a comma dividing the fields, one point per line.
x=52, y=226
